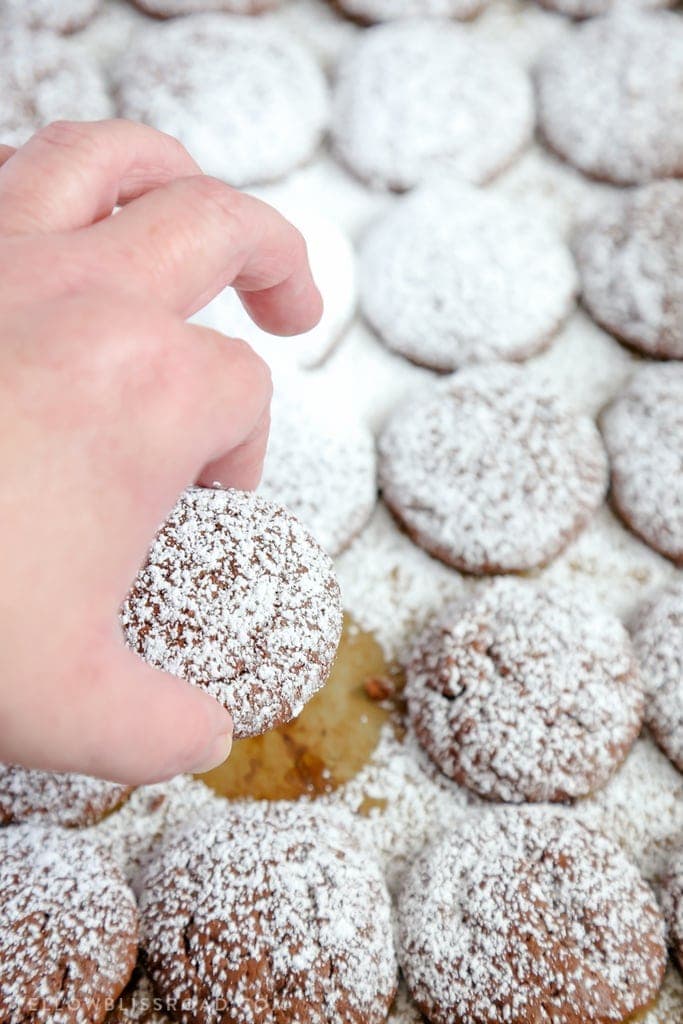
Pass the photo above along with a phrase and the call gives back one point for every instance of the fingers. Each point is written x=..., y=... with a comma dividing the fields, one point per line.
x=71, y=174
x=5, y=153
x=123, y=721
x=184, y=242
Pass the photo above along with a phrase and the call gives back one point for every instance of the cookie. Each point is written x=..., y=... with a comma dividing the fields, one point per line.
x=43, y=79
x=610, y=97
x=54, y=798
x=68, y=941
x=422, y=95
x=455, y=275
x=525, y=695
x=643, y=432
x=658, y=640
x=367, y=12
x=528, y=917
x=237, y=597
x=581, y=9
x=333, y=263
x=672, y=902
x=489, y=472
x=66, y=17
x=173, y=8
x=630, y=257
x=245, y=98
x=270, y=913
x=322, y=469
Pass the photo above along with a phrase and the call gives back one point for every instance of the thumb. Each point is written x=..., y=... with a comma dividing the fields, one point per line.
x=131, y=724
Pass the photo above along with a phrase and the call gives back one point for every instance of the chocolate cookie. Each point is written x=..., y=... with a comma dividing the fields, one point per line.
x=68, y=941
x=610, y=97
x=322, y=470
x=66, y=16
x=248, y=102
x=658, y=640
x=43, y=79
x=525, y=695
x=237, y=597
x=489, y=472
x=643, y=431
x=55, y=798
x=369, y=11
x=672, y=901
x=455, y=275
x=269, y=913
x=172, y=8
x=529, y=917
x=630, y=256
x=423, y=95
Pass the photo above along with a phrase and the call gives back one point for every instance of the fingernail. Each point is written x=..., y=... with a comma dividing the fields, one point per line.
x=217, y=753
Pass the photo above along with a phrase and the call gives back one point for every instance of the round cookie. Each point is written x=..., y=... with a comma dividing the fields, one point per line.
x=237, y=597
x=610, y=97
x=630, y=257
x=173, y=8
x=420, y=96
x=528, y=917
x=525, y=695
x=658, y=641
x=55, y=798
x=68, y=941
x=643, y=432
x=66, y=16
x=44, y=79
x=489, y=472
x=248, y=102
x=333, y=263
x=368, y=12
x=322, y=470
x=455, y=275
x=276, y=909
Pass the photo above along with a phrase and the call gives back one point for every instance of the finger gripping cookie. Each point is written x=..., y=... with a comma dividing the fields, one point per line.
x=270, y=913
x=630, y=256
x=55, y=798
x=456, y=275
x=525, y=695
x=68, y=942
x=422, y=95
x=237, y=597
x=489, y=472
x=643, y=431
x=528, y=917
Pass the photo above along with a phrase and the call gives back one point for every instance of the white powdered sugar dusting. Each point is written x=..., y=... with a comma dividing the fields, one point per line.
x=237, y=597
x=525, y=694
x=172, y=8
x=68, y=939
x=64, y=16
x=529, y=916
x=643, y=431
x=490, y=471
x=274, y=911
x=455, y=275
x=67, y=799
x=388, y=10
x=610, y=96
x=244, y=97
x=423, y=95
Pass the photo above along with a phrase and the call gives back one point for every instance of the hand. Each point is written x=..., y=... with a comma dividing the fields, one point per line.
x=110, y=405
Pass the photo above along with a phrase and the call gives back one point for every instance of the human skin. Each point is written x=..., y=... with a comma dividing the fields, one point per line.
x=110, y=405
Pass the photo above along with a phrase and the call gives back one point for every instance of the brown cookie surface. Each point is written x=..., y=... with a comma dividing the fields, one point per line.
x=643, y=432
x=525, y=695
x=489, y=472
x=55, y=798
x=630, y=256
x=272, y=912
x=529, y=917
x=658, y=641
x=237, y=597
x=68, y=941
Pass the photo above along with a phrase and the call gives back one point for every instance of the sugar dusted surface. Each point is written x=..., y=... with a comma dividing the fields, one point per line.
x=66, y=799
x=388, y=10
x=64, y=16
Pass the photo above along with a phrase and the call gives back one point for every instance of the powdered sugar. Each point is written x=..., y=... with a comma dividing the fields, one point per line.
x=490, y=472
x=237, y=598
x=65, y=16
x=454, y=275
x=245, y=98
x=388, y=10
x=419, y=96
x=171, y=8
x=58, y=799
x=610, y=97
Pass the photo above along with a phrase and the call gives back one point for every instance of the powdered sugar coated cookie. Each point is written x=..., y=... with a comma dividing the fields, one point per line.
x=173, y=8
x=55, y=798
x=65, y=16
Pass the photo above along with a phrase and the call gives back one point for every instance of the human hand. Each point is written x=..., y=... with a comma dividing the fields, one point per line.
x=110, y=405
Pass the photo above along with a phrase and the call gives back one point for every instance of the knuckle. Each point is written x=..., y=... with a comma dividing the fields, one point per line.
x=65, y=135
x=215, y=196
